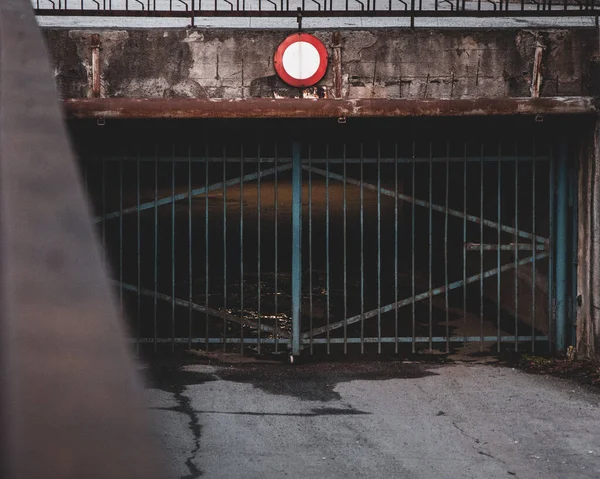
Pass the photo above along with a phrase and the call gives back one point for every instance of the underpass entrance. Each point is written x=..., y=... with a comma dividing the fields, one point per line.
x=370, y=236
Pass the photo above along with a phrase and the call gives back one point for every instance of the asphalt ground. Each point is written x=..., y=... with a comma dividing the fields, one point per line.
x=467, y=417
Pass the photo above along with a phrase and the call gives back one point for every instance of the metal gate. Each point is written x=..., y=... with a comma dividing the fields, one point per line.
x=385, y=242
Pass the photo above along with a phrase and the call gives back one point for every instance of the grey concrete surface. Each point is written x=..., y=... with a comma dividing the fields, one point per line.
x=372, y=419
x=375, y=63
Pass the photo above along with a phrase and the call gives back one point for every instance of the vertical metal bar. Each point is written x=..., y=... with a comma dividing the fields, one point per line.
x=430, y=236
x=362, y=252
x=104, y=211
x=396, y=248
x=345, y=258
x=327, y=258
x=551, y=297
x=296, y=246
x=206, y=246
x=242, y=249
x=121, y=236
x=446, y=249
x=379, y=247
x=561, y=244
x=310, y=268
x=258, y=247
x=173, y=250
x=573, y=260
x=155, y=318
x=465, y=243
x=414, y=318
x=276, y=252
x=516, y=240
x=225, y=247
x=481, y=180
x=498, y=254
x=190, y=262
x=534, y=251
x=139, y=255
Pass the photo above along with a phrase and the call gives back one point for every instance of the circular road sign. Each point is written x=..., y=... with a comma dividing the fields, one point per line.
x=301, y=60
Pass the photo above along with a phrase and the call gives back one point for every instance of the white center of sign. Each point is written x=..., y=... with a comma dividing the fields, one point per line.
x=301, y=60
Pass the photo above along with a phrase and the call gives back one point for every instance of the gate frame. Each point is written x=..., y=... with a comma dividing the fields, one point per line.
x=560, y=309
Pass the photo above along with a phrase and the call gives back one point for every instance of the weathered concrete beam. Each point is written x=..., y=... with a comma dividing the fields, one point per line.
x=396, y=64
x=135, y=108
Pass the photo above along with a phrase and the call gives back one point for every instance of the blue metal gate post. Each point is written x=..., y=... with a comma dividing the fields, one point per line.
x=573, y=208
x=296, y=246
x=562, y=205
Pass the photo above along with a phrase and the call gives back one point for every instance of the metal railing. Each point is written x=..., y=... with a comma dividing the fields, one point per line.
x=412, y=9
x=69, y=394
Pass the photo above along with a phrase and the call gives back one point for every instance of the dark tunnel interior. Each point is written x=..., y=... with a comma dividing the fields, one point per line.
x=437, y=202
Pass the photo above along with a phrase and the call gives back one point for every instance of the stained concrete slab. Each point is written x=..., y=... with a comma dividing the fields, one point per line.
x=375, y=63
x=397, y=419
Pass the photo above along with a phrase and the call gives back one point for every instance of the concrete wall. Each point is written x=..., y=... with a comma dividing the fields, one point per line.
x=398, y=63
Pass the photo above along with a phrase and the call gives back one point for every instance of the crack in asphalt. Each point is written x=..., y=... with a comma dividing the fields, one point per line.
x=172, y=378
x=185, y=407
x=480, y=451
x=314, y=412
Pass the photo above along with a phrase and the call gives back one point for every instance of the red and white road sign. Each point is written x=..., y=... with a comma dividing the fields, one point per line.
x=301, y=60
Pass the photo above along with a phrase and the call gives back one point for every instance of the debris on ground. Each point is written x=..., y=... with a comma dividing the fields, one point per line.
x=582, y=371
x=227, y=358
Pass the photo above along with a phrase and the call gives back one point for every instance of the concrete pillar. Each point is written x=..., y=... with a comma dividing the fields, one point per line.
x=588, y=274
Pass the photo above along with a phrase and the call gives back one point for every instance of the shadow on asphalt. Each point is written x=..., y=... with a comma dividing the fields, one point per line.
x=316, y=378
x=313, y=380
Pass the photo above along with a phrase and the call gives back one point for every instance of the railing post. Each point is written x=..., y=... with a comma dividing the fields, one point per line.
x=561, y=242
x=296, y=247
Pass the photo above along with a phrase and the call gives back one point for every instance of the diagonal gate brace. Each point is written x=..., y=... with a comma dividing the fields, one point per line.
x=202, y=309
x=420, y=297
x=426, y=204
x=196, y=192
